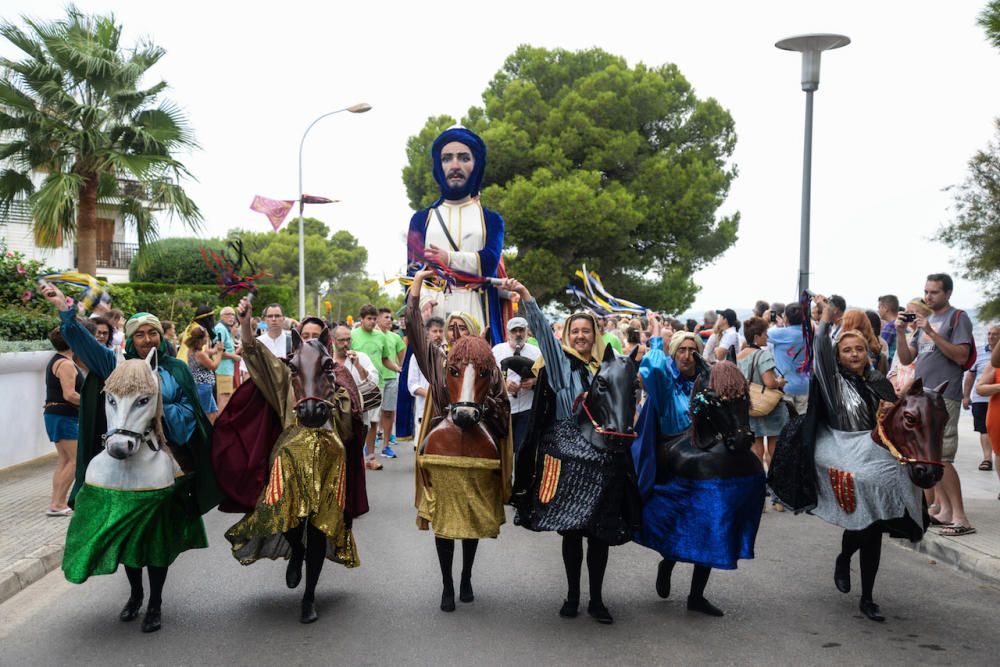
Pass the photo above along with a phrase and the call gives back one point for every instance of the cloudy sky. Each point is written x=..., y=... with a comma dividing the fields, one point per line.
x=898, y=114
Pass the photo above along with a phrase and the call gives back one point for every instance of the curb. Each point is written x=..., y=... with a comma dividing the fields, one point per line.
x=26, y=571
x=978, y=564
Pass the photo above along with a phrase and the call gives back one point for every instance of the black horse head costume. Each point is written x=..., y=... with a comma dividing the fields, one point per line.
x=609, y=403
x=720, y=409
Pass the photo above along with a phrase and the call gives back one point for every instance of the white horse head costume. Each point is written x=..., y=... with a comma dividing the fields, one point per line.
x=133, y=458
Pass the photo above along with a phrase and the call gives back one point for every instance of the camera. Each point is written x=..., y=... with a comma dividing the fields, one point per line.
x=774, y=316
x=909, y=317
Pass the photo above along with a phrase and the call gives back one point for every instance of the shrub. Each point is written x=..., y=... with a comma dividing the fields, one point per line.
x=16, y=324
x=25, y=346
x=17, y=280
x=175, y=261
x=178, y=302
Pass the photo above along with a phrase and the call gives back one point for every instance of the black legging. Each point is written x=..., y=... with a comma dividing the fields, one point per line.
x=446, y=556
x=157, y=577
x=597, y=563
x=699, y=579
x=313, y=551
x=869, y=543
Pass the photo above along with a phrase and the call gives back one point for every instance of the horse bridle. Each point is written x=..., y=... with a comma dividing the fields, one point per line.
x=582, y=400
x=884, y=439
x=143, y=437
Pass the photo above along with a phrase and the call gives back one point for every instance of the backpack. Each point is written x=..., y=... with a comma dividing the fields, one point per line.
x=973, y=353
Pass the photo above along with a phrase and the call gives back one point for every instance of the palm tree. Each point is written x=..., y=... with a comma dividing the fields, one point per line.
x=78, y=130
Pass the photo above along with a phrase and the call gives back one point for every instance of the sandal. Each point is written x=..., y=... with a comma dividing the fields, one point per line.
x=372, y=464
x=956, y=530
x=986, y=465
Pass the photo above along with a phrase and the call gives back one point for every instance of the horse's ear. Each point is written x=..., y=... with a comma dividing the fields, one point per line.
x=152, y=359
x=634, y=353
x=939, y=390
x=916, y=388
x=324, y=337
x=296, y=340
x=609, y=354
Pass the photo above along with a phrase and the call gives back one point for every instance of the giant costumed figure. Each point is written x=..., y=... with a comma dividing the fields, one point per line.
x=315, y=470
x=702, y=487
x=144, y=472
x=464, y=448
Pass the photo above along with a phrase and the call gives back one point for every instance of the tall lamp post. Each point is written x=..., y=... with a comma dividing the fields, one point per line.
x=811, y=47
x=355, y=108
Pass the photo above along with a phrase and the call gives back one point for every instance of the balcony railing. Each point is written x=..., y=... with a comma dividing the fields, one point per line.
x=113, y=255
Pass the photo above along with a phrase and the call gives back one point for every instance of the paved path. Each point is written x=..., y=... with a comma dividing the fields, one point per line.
x=781, y=608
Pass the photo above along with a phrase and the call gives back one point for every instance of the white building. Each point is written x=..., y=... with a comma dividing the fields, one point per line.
x=116, y=245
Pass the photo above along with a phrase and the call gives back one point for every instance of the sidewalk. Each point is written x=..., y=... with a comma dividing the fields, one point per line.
x=31, y=544
x=978, y=554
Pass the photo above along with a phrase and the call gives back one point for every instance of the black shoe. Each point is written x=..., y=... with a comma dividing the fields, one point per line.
x=704, y=606
x=130, y=611
x=293, y=574
x=871, y=611
x=570, y=608
x=599, y=613
x=448, y=599
x=309, y=614
x=151, y=621
x=663, y=572
x=465, y=593
x=842, y=574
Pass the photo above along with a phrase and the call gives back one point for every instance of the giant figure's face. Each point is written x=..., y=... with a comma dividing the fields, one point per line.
x=457, y=163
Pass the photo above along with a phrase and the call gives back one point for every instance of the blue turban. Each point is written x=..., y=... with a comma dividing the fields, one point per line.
x=475, y=181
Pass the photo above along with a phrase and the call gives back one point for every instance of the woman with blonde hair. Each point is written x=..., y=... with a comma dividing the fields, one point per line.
x=856, y=320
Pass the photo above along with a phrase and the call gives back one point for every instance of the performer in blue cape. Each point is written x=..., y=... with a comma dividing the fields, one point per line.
x=702, y=488
x=459, y=236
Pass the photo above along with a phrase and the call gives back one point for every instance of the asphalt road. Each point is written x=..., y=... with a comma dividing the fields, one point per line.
x=781, y=608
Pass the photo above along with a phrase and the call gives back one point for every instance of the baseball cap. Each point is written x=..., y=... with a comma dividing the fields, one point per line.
x=517, y=322
x=729, y=314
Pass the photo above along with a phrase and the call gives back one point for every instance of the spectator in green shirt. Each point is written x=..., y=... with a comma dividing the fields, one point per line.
x=391, y=367
x=368, y=338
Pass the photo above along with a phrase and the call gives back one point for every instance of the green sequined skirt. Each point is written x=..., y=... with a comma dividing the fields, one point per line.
x=134, y=528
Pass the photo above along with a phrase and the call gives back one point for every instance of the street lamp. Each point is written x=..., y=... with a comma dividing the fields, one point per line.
x=811, y=47
x=354, y=108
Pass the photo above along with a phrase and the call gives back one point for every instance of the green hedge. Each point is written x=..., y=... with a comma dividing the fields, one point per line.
x=174, y=261
x=16, y=324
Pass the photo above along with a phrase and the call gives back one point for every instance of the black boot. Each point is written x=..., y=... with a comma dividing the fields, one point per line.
x=448, y=598
x=151, y=621
x=704, y=606
x=871, y=611
x=309, y=614
x=663, y=572
x=599, y=612
x=842, y=574
x=465, y=593
x=130, y=611
x=293, y=573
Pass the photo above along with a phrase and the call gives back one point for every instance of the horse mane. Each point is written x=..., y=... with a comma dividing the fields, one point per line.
x=727, y=381
x=133, y=377
x=472, y=350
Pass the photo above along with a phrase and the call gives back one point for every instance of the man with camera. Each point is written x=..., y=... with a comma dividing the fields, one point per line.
x=941, y=347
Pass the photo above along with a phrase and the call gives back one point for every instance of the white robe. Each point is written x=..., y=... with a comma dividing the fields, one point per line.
x=467, y=227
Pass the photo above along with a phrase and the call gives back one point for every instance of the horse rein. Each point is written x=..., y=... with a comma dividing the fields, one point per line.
x=884, y=440
x=600, y=430
x=142, y=437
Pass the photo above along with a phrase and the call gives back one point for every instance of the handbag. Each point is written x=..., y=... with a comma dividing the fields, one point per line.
x=371, y=399
x=763, y=400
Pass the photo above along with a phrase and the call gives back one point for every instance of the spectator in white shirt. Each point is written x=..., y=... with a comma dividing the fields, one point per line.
x=276, y=339
x=728, y=329
x=521, y=391
x=416, y=383
x=358, y=363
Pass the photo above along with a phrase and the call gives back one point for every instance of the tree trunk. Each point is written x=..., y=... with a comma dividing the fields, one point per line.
x=86, y=228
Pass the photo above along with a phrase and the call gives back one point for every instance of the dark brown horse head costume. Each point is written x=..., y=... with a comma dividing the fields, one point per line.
x=912, y=429
x=720, y=409
x=313, y=381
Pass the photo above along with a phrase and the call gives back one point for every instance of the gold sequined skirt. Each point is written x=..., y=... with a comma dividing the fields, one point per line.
x=306, y=482
x=462, y=497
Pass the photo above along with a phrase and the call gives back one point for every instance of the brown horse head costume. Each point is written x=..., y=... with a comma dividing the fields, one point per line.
x=912, y=429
